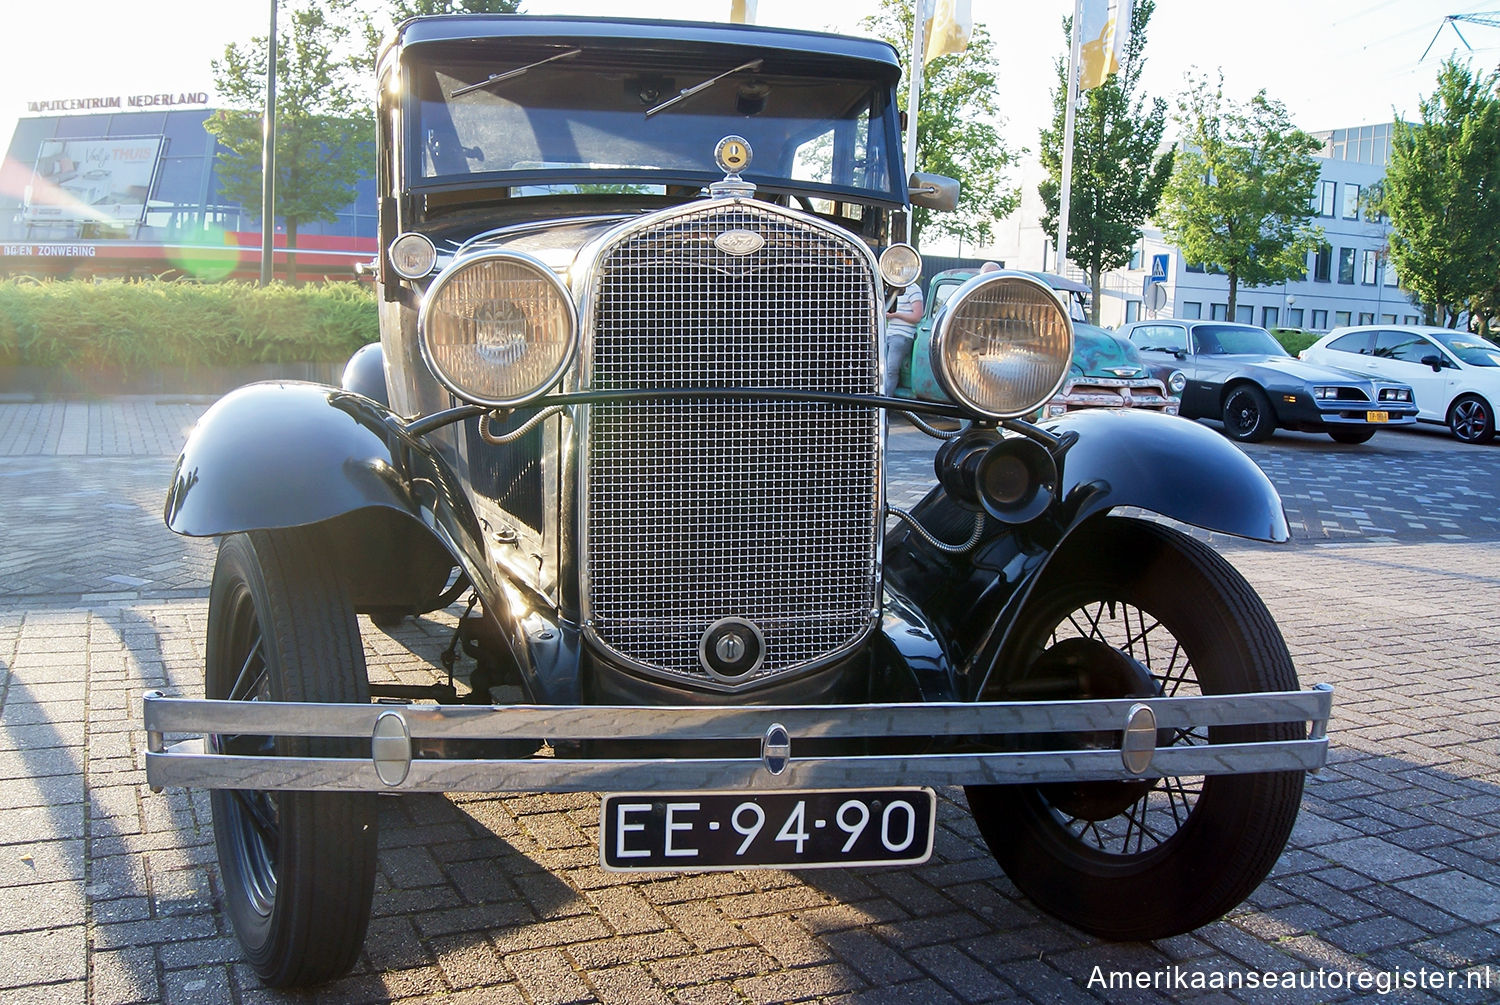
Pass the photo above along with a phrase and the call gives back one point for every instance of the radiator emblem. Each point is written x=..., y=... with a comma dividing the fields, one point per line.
x=739, y=242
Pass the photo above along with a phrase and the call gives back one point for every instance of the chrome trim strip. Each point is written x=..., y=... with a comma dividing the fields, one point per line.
x=187, y=764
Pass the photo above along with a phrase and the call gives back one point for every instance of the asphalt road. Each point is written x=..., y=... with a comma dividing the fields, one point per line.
x=1388, y=591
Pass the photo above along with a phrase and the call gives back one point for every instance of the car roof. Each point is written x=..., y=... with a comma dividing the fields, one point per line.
x=638, y=32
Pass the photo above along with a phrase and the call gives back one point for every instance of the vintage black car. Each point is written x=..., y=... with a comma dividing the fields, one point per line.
x=1242, y=376
x=626, y=399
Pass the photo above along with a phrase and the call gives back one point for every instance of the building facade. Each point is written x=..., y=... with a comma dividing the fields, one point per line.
x=1348, y=280
x=135, y=192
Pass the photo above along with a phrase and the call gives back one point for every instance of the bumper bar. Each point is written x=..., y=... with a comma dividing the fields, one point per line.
x=1139, y=724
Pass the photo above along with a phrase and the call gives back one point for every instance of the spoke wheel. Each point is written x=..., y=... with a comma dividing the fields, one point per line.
x=1471, y=419
x=298, y=867
x=1247, y=414
x=1142, y=610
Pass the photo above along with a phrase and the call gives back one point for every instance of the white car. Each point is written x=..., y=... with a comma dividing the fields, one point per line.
x=1456, y=375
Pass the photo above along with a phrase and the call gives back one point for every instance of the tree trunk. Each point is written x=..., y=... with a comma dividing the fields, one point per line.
x=1234, y=294
x=1096, y=281
x=291, y=250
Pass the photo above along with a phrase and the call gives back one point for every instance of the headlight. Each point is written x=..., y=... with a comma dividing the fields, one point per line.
x=1003, y=345
x=900, y=265
x=1394, y=394
x=412, y=255
x=1325, y=392
x=1177, y=382
x=497, y=328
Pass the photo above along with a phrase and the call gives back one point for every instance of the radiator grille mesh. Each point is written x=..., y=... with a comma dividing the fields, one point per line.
x=701, y=510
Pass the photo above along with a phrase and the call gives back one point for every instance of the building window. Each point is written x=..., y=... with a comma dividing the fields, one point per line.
x=1320, y=320
x=1244, y=314
x=1325, y=198
x=1346, y=265
x=1369, y=266
x=1387, y=319
x=1270, y=317
x=1187, y=267
x=1137, y=257
x=1322, y=263
x=1366, y=318
x=1190, y=309
x=1412, y=319
x=1391, y=279
x=1132, y=311
x=1341, y=319
x=1218, y=312
x=1294, y=317
x=1351, y=201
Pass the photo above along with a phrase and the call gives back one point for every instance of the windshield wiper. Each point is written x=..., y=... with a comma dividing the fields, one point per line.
x=495, y=78
x=754, y=64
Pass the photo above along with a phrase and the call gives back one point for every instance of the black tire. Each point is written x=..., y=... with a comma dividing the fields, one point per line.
x=1133, y=860
x=1352, y=435
x=1247, y=414
x=1471, y=419
x=298, y=867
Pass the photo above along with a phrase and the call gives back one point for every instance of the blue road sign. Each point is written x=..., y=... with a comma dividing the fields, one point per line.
x=1159, y=268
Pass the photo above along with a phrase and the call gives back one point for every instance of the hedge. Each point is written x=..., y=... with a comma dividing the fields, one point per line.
x=127, y=327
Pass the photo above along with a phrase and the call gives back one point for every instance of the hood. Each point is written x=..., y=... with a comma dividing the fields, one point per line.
x=554, y=243
x=1100, y=353
x=1302, y=370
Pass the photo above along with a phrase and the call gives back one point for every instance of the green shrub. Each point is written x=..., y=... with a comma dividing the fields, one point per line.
x=1294, y=340
x=129, y=326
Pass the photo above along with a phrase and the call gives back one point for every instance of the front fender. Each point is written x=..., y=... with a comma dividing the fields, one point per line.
x=282, y=455
x=1165, y=464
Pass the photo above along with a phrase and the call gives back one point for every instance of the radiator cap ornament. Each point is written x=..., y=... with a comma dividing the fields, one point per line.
x=731, y=650
x=733, y=155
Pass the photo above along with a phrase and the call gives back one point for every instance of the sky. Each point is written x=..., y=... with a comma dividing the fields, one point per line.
x=1334, y=63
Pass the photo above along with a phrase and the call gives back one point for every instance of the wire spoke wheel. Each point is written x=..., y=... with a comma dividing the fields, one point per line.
x=1135, y=609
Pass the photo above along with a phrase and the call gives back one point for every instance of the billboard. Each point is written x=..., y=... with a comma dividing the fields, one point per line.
x=105, y=180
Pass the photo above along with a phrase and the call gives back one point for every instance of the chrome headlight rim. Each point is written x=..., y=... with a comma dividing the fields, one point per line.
x=900, y=265
x=944, y=325
x=1177, y=382
x=425, y=247
x=456, y=268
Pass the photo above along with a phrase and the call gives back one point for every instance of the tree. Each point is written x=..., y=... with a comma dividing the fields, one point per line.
x=1442, y=192
x=324, y=128
x=1240, y=196
x=1118, y=177
x=375, y=28
x=957, y=132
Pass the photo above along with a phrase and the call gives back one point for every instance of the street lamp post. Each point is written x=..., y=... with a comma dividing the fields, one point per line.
x=268, y=162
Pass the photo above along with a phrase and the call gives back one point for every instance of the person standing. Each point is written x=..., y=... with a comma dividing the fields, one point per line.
x=901, y=333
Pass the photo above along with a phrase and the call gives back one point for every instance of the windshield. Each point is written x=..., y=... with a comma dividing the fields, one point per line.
x=585, y=115
x=1236, y=340
x=1472, y=349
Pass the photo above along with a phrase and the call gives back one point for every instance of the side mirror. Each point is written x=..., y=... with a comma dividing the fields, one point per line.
x=1180, y=353
x=933, y=191
x=1435, y=361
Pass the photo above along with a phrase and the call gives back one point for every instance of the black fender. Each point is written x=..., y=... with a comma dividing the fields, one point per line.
x=279, y=455
x=1165, y=464
x=365, y=374
x=1112, y=458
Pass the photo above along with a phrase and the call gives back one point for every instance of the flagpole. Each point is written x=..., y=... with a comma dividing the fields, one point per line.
x=1065, y=192
x=920, y=14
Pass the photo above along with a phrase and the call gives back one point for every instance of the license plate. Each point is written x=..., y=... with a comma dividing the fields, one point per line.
x=1378, y=416
x=804, y=829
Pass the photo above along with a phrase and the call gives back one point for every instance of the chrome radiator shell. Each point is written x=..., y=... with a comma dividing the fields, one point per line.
x=695, y=511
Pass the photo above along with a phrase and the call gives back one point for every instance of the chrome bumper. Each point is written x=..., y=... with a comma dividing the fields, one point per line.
x=392, y=767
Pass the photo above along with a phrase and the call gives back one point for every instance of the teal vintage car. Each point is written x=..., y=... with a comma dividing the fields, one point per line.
x=1107, y=371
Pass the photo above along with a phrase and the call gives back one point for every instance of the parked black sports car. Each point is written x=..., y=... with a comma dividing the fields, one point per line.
x=1242, y=375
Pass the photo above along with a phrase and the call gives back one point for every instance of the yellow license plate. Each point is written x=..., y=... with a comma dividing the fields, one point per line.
x=1377, y=416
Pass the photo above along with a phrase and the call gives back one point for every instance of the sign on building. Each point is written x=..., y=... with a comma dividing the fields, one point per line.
x=105, y=180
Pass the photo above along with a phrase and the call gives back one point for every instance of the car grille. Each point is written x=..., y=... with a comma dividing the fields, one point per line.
x=697, y=510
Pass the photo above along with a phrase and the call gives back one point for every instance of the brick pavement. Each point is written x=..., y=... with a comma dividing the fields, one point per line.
x=1395, y=863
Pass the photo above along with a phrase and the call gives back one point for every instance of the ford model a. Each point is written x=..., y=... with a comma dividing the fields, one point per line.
x=633, y=284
